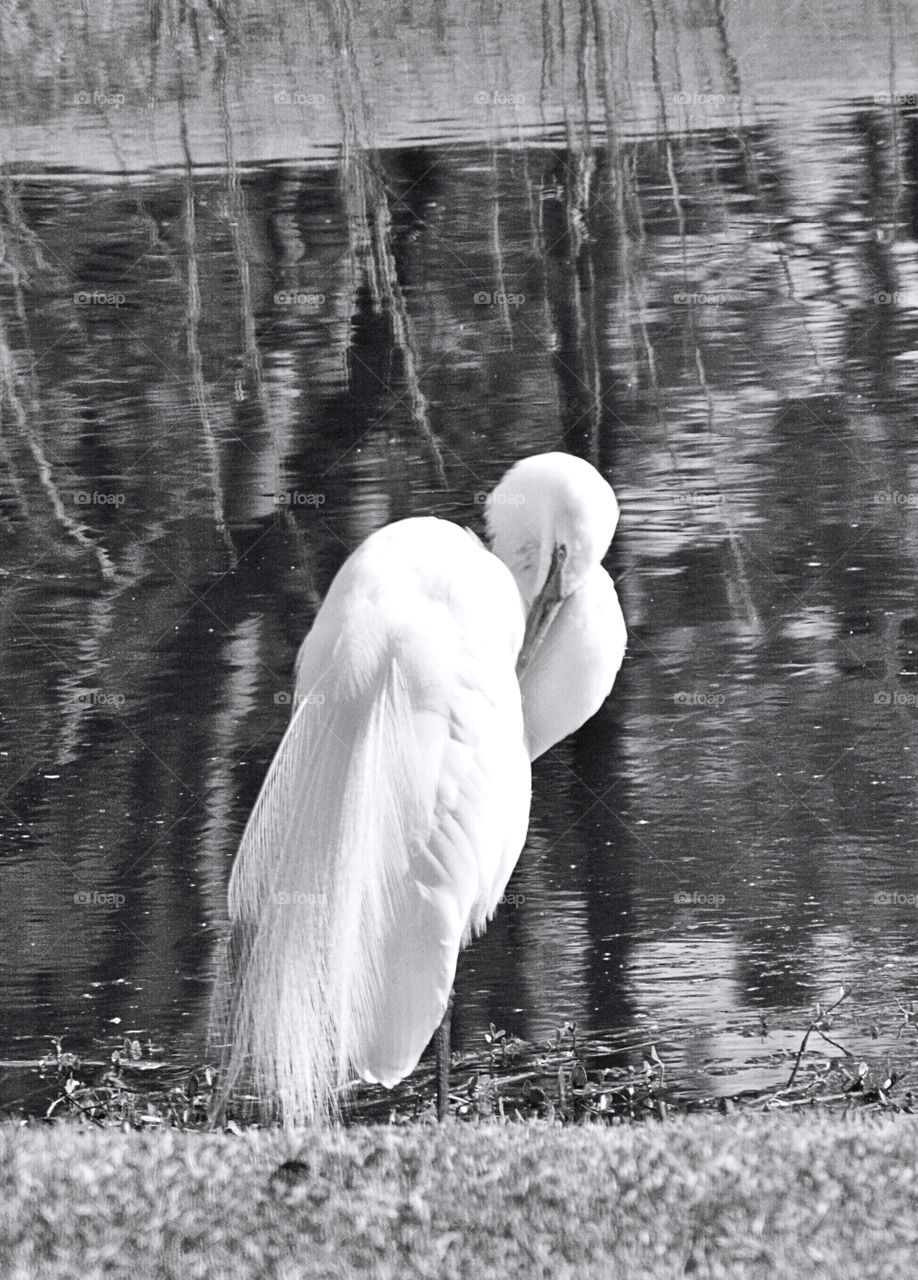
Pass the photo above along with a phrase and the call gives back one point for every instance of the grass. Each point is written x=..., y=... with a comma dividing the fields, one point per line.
x=740, y=1196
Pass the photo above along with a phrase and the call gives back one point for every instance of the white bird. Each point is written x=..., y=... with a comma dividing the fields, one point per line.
x=397, y=805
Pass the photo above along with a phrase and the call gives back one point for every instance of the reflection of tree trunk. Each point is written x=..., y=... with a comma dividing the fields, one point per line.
x=745, y=599
x=11, y=474
x=370, y=224
x=97, y=84
x=243, y=247
x=17, y=241
x=548, y=55
x=726, y=52
x=496, y=250
x=258, y=412
x=576, y=360
x=24, y=422
x=192, y=334
x=889, y=13
x=241, y=658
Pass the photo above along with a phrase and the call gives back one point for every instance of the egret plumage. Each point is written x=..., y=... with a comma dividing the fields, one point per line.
x=397, y=804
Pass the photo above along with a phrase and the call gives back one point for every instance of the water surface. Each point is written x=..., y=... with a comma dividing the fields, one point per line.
x=271, y=280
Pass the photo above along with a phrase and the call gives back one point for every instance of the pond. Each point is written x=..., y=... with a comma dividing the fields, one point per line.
x=273, y=276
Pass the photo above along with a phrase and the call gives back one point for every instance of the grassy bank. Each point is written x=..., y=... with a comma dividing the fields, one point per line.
x=734, y=1197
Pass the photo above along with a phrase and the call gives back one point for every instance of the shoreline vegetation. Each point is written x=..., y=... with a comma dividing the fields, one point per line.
x=568, y=1079
x=737, y=1196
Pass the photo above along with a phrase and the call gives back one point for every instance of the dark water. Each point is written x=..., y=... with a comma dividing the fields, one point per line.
x=239, y=331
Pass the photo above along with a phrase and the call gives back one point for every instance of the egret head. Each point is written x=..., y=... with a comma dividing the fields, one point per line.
x=550, y=520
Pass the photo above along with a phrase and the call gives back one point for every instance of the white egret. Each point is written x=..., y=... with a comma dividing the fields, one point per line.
x=397, y=805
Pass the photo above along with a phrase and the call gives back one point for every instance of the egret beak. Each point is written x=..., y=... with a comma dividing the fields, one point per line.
x=544, y=608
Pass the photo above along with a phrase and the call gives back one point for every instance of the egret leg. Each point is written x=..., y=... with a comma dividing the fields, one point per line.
x=441, y=1049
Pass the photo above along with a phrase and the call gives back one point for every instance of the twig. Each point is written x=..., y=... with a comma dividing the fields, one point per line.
x=65, y=1097
x=814, y=1026
x=835, y=1044
x=810, y=1100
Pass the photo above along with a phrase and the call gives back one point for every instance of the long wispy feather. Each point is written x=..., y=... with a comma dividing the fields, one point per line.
x=386, y=829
